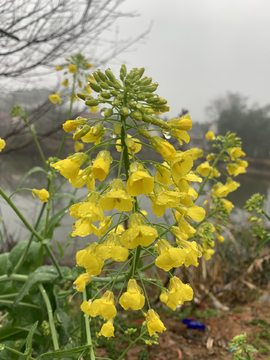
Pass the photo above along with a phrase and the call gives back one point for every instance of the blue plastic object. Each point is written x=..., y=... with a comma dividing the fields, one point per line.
x=194, y=324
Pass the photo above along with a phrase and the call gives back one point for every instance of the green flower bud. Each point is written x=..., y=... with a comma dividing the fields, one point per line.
x=152, y=88
x=141, y=96
x=140, y=107
x=81, y=132
x=114, y=92
x=108, y=113
x=123, y=72
x=82, y=96
x=137, y=116
x=146, y=81
x=105, y=95
x=97, y=78
x=125, y=110
x=102, y=76
x=144, y=133
x=104, y=85
x=116, y=85
x=110, y=75
x=91, y=102
x=153, y=100
x=120, y=96
x=117, y=128
x=141, y=72
x=132, y=104
x=116, y=102
x=95, y=87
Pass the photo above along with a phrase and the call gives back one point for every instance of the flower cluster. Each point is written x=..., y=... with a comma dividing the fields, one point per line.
x=130, y=109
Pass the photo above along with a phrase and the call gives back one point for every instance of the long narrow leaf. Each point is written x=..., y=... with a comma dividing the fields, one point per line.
x=62, y=354
x=30, y=172
x=28, y=346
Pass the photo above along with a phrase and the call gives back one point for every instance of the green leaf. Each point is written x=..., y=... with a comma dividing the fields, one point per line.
x=30, y=172
x=62, y=354
x=18, y=249
x=61, y=250
x=28, y=349
x=9, y=332
x=53, y=222
x=263, y=241
x=46, y=272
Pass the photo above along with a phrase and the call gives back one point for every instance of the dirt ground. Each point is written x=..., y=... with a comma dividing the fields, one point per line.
x=213, y=343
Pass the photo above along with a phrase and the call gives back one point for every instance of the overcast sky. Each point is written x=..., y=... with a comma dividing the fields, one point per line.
x=200, y=49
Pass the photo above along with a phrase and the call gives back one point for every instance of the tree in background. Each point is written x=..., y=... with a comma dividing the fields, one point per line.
x=37, y=35
x=252, y=124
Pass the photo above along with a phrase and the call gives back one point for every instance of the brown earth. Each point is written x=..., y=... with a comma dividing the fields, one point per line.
x=213, y=343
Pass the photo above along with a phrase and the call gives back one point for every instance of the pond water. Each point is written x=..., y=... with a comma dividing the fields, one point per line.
x=13, y=168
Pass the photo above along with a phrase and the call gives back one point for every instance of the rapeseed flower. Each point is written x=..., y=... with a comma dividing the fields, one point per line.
x=101, y=165
x=138, y=233
x=69, y=167
x=71, y=125
x=88, y=258
x=133, y=297
x=81, y=282
x=107, y=329
x=163, y=147
x=113, y=249
x=210, y=135
x=179, y=293
x=154, y=324
x=116, y=197
x=42, y=194
x=139, y=182
x=169, y=256
x=55, y=98
x=180, y=165
x=2, y=144
x=104, y=306
x=72, y=68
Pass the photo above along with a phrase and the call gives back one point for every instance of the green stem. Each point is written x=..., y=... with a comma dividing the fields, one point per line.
x=20, y=303
x=69, y=115
x=33, y=231
x=24, y=254
x=266, y=215
x=130, y=345
x=10, y=196
x=88, y=332
x=50, y=316
x=17, y=352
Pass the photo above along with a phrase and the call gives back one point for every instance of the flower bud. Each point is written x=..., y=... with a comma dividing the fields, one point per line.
x=104, y=85
x=95, y=87
x=123, y=72
x=97, y=78
x=141, y=72
x=111, y=76
x=81, y=132
x=144, y=133
x=146, y=81
x=102, y=76
x=108, y=113
x=125, y=110
x=114, y=92
x=82, y=96
x=152, y=87
x=92, y=102
x=137, y=116
x=117, y=128
x=105, y=95
x=116, y=102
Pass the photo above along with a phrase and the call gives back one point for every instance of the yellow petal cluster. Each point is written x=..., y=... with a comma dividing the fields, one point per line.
x=133, y=297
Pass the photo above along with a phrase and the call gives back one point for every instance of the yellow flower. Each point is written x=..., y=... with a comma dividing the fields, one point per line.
x=88, y=258
x=58, y=68
x=184, y=123
x=133, y=297
x=78, y=146
x=65, y=82
x=210, y=135
x=206, y=170
x=220, y=238
x=163, y=297
x=163, y=147
x=42, y=194
x=139, y=182
x=89, y=209
x=163, y=174
x=138, y=233
x=81, y=282
x=95, y=134
x=236, y=152
x=237, y=168
x=72, y=69
x=154, y=324
x=84, y=227
x=69, y=168
x=101, y=165
x=134, y=145
x=116, y=197
x=2, y=144
x=105, y=225
x=181, y=135
x=107, y=329
x=104, y=306
x=191, y=248
x=227, y=204
x=231, y=184
x=89, y=65
x=162, y=199
x=94, y=109
x=207, y=252
x=168, y=256
x=84, y=177
x=55, y=98
x=113, y=249
x=195, y=153
x=71, y=125
x=119, y=230
x=80, y=83
x=180, y=165
x=179, y=293
x=86, y=307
